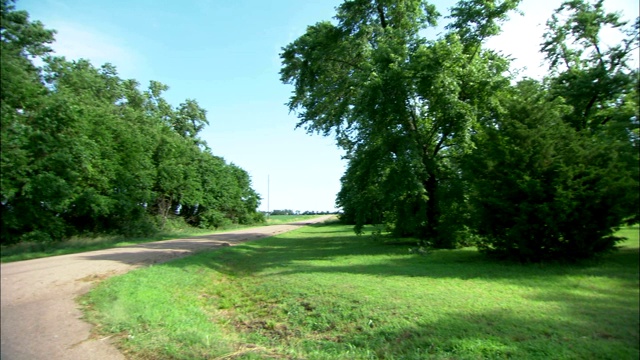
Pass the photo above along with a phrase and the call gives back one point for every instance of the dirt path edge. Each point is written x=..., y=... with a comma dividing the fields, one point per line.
x=39, y=316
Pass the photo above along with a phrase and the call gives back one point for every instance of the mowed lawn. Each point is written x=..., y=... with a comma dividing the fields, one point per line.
x=322, y=292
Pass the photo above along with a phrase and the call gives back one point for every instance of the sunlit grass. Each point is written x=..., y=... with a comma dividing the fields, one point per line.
x=323, y=293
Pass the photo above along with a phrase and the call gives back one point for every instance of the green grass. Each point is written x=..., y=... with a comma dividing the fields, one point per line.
x=177, y=230
x=321, y=292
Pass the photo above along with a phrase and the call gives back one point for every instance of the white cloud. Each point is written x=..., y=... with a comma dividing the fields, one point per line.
x=522, y=35
x=75, y=41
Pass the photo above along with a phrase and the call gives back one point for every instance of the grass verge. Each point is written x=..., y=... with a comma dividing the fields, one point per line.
x=34, y=250
x=321, y=292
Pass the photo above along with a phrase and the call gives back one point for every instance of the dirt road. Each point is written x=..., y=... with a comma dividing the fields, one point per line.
x=39, y=316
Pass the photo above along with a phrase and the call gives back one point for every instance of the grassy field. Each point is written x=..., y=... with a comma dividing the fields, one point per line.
x=321, y=292
x=284, y=219
x=26, y=251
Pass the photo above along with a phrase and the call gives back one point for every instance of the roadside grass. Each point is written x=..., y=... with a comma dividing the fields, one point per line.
x=176, y=230
x=322, y=292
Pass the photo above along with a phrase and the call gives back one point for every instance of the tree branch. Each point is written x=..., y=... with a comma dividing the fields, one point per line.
x=383, y=22
x=343, y=62
x=587, y=110
x=436, y=150
x=595, y=44
x=564, y=57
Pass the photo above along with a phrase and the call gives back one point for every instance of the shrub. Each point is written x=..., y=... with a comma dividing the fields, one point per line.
x=541, y=190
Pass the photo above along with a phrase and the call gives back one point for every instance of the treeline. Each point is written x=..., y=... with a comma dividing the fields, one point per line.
x=84, y=151
x=442, y=143
x=318, y=212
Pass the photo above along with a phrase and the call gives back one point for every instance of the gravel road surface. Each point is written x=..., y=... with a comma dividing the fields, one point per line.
x=40, y=318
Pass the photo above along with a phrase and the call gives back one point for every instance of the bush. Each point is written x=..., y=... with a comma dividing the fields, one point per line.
x=541, y=190
x=213, y=219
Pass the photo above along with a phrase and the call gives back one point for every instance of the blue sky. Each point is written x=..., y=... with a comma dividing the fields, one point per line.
x=225, y=55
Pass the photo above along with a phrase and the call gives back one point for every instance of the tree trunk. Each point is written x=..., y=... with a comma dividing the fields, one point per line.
x=430, y=232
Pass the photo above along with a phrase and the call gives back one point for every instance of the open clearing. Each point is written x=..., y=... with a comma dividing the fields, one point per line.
x=321, y=292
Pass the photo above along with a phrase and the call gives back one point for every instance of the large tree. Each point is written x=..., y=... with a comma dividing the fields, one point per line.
x=21, y=94
x=403, y=107
x=598, y=79
x=555, y=172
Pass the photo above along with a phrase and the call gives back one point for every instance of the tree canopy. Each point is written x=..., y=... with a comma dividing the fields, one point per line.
x=84, y=151
x=417, y=116
x=403, y=107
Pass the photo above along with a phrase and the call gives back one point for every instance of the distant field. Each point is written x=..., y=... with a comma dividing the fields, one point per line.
x=284, y=219
x=322, y=292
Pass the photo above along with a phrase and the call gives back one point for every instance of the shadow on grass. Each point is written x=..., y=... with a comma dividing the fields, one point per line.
x=329, y=254
x=320, y=248
x=496, y=334
x=595, y=323
x=598, y=323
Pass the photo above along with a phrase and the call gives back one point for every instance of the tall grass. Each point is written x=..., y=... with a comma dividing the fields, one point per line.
x=323, y=293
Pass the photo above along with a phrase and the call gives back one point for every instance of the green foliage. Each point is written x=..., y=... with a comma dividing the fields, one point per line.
x=477, y=20
x=401, y=106
x=441, y=146
x=555, y=172
x=283, y=212
x=594, y=78
x=321, y=292
x=543, y=191
x=84, y=151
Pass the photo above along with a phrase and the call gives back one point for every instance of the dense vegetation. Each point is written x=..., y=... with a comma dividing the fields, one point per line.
x=84, y=151
x=445, y=145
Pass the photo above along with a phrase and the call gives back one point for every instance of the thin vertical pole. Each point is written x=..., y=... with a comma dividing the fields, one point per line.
x=268, y=184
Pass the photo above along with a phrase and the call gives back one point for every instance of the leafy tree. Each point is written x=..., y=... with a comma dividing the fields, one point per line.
x=600, y=80
x=21, y=94
x=109, y=147
x=190, y=119
x=594, y=78
x=401, y=106
x=86, y=151
x=540, y=189
x=555, y=172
